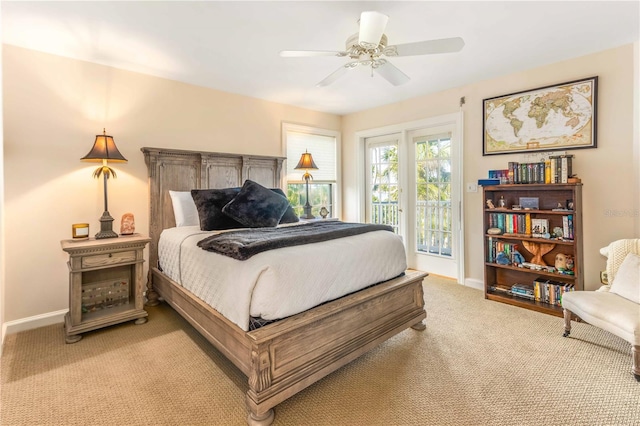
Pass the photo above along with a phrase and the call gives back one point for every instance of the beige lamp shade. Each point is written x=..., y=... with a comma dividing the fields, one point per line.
x=306, y=162
x=104, y=148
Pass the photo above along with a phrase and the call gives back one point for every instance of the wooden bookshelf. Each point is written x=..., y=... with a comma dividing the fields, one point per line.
x=499, y=278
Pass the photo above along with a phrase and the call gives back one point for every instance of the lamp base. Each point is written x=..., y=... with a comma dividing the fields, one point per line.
x=307, y=212
x=106, y=227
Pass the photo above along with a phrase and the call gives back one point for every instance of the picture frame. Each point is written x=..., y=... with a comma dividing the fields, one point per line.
x=80, y=231
x=529, y=203
x=550, y=118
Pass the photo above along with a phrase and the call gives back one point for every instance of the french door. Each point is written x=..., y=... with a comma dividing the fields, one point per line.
x=383, y=183
x=413, y=184
x=434, y=199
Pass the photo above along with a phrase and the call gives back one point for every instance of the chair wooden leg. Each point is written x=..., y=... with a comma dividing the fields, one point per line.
x=567, y=323
x=635, y=353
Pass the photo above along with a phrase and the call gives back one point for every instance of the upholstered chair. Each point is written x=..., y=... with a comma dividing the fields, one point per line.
x=614, y=307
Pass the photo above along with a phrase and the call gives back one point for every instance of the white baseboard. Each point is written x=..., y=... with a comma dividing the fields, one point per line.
x=29, y=323
x=474, y=283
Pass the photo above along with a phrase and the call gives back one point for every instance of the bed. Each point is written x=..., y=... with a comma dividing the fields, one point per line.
x=288, y=355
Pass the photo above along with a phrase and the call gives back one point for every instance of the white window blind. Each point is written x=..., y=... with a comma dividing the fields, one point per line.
x=322, y=149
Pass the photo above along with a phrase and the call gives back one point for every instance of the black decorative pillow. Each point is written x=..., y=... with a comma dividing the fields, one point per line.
x=209, y=203
x=289, y=215
x=256, y=206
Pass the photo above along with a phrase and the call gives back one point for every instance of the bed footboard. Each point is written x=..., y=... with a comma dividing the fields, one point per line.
x=285, y=357
x=290, y=355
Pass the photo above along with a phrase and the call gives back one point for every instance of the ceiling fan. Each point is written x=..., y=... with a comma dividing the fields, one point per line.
x=367, y=48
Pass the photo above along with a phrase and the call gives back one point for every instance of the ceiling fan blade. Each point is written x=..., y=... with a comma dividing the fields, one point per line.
x=372, y=25
x=335, y=75
x=391, y=73
x=427, y=47
x=306, y=53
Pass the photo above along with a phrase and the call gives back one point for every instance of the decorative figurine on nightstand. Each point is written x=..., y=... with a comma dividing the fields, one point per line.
x=127, y=224
x=324, y=212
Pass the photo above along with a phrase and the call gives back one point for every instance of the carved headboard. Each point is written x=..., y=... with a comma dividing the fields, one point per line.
x=179, y=170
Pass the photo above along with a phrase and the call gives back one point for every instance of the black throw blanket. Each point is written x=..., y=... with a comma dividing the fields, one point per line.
x=243, y=244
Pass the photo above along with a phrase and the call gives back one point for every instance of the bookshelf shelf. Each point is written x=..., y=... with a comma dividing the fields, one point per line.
x=503, y=282
x=523, y=237
x=559, y=277
x=560, y=212
x=524, y=303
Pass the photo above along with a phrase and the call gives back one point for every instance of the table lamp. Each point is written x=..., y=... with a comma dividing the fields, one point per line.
x=306, y=163
x=104, y=149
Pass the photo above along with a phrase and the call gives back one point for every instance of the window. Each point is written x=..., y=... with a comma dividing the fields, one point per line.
x=323, y=145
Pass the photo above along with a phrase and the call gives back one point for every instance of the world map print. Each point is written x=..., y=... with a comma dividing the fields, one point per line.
x=556, y=117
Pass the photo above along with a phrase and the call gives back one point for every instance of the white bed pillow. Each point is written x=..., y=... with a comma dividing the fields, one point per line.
x=627, y=281
x=184, y=208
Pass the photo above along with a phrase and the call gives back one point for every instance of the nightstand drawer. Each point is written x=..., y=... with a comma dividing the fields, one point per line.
x=108, y=259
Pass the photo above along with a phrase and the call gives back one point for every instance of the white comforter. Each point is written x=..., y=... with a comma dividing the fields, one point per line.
x=279, y=283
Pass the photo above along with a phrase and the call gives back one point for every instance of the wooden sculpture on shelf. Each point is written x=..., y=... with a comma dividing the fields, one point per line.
x=538, y=250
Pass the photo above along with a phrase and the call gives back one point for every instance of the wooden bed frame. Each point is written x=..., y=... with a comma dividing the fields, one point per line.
x=287, y=356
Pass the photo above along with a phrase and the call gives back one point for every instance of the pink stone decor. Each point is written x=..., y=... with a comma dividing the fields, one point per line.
x=128, y=224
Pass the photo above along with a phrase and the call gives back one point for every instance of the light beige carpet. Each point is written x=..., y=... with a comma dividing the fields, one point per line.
x=477, y=363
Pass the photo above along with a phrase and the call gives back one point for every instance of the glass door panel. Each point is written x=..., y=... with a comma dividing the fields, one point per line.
x=383, y=186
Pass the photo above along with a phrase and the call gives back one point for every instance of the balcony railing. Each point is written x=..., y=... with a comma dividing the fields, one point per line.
x=433, y=223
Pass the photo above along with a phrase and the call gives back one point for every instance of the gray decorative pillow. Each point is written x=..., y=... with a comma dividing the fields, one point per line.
x=256, y=206
x=209, y=203
x=289, y=215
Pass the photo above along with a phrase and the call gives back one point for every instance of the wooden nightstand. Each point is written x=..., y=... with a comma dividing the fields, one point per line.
x=105, y=283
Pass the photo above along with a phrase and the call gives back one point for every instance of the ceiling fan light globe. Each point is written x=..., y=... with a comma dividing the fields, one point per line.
x=372, y=25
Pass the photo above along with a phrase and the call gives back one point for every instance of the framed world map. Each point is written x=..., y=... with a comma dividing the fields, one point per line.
x=551, y=118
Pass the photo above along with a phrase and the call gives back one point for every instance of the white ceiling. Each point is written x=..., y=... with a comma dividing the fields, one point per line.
x=233, y=46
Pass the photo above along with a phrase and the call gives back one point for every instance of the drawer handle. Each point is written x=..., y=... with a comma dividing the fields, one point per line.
x=110, y=254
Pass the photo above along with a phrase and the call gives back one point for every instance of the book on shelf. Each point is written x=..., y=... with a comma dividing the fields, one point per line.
x=500, y=175
x=566, y=169
x=539, y=227
x=511, y=223
x=501, y=252
x=561, y=168
x=547, y=171
x=526, y=172
x=555, y=169
x=567, y=227
x=488, y=182
x=523, y=290
x=550, y=291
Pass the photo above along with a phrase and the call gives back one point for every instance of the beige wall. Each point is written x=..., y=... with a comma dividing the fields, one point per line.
x=2, y=249
x=54, y=107
x=610, y=210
